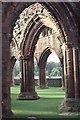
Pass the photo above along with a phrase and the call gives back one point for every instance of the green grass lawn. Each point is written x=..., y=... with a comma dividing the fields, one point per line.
x=45, y=107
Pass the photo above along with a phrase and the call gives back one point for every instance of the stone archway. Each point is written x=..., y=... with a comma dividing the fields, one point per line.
x=25, y=36
x=42, y=66
x=69, y=31
x=30, y=25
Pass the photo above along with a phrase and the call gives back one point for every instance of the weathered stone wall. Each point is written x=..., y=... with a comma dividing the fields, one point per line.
x=56, y=82
x=51, y=82
x=47, y=41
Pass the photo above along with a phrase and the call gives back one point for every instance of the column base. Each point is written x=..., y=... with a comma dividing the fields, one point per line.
x=7, y=114
x=28, y=96
x=70, y=105
x=77, y=104
x=63, y=88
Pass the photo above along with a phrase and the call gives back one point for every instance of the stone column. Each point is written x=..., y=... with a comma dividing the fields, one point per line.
x=70, y=73
x=22, y=80
x=25, y=72
x=69, y=100
x=64, y=64
x=42, y=78
x=12, y=77
x=28, y=83
x=6, y=78
x=63, y=80
x=76, y=78
x=12, y=80
x=30, y=76
x=76, y=72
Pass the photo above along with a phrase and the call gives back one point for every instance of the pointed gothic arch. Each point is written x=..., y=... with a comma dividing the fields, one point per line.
x=67, y=23
x=26, y=33
x=30, y=24
x=42, y=67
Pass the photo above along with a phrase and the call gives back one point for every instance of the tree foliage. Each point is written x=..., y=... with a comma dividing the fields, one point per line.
x=52, y=69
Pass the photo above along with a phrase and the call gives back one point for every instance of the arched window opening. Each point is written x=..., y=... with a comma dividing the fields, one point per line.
x=53, y=71
x=53, y=63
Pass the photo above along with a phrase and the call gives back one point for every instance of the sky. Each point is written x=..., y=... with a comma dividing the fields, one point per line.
x=53, y=57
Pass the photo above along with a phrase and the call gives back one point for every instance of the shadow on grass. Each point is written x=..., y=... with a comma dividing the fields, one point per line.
x=47, y=107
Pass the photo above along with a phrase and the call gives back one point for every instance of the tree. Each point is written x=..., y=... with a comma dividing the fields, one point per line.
x=53, y=69
x=55, y=72
x=49, y=67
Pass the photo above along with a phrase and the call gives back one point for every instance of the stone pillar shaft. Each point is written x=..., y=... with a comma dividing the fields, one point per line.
x=69, y=101
x=12, y=78
x=63, y=80
x=25, y=76
x=70, y=74
x=6, y=78
x=22, y=76
x=64, y=65
x=30, y=75
x=76, y=73
x=27, y=81
x=42, y=78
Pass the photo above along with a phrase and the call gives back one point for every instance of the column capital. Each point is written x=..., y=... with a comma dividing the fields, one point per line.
x=24, y=57
x=63, y=46
x=68, y=45
x=27, y=58
x=75, y=47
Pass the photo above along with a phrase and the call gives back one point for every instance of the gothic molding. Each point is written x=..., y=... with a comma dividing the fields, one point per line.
x=29, y=17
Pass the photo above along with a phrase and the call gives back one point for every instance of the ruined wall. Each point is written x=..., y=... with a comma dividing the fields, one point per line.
x=51, y=82
x=47, y=41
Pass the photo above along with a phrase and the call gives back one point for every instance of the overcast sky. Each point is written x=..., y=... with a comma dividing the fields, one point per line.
x=53, y=57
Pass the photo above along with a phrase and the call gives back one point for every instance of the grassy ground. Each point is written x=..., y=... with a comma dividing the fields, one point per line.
x=45, y=107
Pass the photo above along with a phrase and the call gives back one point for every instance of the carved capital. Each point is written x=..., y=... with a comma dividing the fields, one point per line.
x=68, y=45
x=75, y=47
